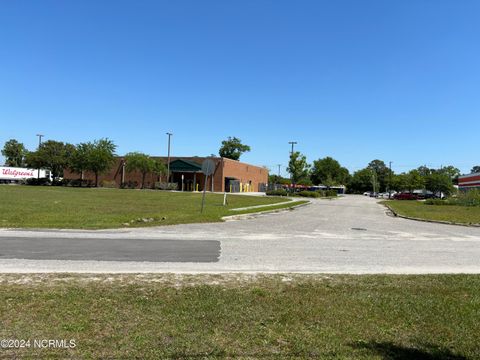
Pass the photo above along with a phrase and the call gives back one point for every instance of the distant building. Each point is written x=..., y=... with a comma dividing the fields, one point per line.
x=466, y=182
x=186, y=172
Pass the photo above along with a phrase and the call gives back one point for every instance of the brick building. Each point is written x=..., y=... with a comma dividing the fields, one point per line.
x=467, y=182
x=230, y=175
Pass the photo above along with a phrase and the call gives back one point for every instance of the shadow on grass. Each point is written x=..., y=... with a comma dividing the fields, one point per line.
x=391, y=351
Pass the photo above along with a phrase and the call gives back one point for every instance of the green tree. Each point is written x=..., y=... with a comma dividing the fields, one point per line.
x=79, y=159
x=361, y=181
x=160, y=169
x=329, y=172
x=14, y=153
x=52, y=155
x=424, y=170
x=439, y=182
x=232, y=148
x=451, y=171
x=298, y=167
x=399, y=182
x=381, y=174
x=137, y=161
x=475, y=169
x=275, y=179
x=415, y=180
x=100, y=157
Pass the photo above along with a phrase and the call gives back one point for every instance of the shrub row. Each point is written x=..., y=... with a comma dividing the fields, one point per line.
x=166, y=186
x=305, y=193
x=331, y=193
x=469, y=198
x=437, y=202
x=104, y=183
x=311, y=194
x=279, y=192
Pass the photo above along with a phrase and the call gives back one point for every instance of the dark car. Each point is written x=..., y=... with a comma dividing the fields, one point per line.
x=405, y=196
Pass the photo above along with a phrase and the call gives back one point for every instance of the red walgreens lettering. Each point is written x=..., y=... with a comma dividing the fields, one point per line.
x=16, y=173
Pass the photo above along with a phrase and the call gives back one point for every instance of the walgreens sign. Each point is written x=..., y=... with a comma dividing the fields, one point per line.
x=11, y=173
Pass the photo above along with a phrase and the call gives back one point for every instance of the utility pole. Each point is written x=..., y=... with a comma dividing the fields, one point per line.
x=390, y=179
x=374, y=181
x=123, y=171
x=168, y=158
x=293, y=143
x=279, y=165
x=39, y=143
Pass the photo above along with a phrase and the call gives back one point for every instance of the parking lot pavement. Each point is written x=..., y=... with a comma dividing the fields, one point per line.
x=346, y=235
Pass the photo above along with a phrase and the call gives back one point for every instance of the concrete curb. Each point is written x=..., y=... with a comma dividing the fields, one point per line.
x=254, y=214
x=427, y=220
x=261, y=206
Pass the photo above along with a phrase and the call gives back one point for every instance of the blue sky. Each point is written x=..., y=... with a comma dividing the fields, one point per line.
x=355, y=80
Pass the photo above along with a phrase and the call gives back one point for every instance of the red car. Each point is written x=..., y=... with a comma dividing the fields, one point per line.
x=405, y=196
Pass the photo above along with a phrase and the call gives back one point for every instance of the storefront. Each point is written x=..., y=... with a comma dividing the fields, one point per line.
x=467, y=182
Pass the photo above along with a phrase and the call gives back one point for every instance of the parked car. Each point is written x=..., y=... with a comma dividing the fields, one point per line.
x=366, y=193
x=405, y=196
x=391, y=195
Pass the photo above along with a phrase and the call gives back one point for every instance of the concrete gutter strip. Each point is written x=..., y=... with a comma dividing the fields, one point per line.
x=262, y=206
x=428, y=220
x=254, y=214
x=294, y=199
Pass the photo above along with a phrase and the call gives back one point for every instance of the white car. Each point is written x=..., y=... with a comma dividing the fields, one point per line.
x=386, y=196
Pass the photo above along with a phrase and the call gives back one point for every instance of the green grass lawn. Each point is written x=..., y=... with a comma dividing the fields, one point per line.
x=60, y=207
x=246, y=316
x=453, y=213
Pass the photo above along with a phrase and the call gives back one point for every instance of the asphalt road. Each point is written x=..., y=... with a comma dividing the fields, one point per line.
x=64, y=248
x=347, y=235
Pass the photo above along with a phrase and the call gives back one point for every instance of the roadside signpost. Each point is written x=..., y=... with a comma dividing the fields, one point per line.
x=208, y=168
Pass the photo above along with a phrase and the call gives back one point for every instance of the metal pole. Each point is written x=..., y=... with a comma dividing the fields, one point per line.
x=390, y=180
x=123, y=171
x=291, y=153
x=39, y=143
x=168, y=158
x=293, y=143
x=204, y=191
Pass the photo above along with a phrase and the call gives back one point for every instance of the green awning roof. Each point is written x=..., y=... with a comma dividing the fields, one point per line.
x=184, y=166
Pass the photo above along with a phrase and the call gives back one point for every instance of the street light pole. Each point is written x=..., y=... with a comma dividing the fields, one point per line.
x=168, y=158
x=279, y=165
x=39, y=143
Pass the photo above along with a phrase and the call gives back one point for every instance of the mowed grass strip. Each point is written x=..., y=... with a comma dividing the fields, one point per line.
x=451, y=213
x=77, y=208
x=236, y=316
